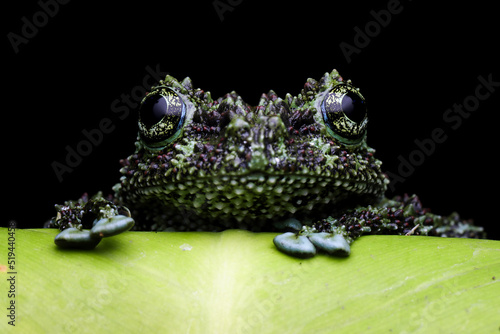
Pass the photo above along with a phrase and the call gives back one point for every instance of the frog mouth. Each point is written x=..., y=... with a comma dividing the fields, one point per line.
x=254, y=196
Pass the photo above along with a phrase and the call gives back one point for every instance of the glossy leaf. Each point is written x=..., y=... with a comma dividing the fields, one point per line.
x=237, y=282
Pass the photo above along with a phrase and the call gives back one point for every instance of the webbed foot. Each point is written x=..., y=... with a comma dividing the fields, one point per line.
x=305, y=244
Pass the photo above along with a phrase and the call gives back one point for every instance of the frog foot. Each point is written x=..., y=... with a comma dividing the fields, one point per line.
x=88, y=239
x=305, y=244
x=86, y=221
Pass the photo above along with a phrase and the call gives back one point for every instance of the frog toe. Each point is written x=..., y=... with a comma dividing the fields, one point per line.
x=306, y=245
x=108, y=227
x=77, y=239
x=89, y=239
x=295, y=245
x=331, y=243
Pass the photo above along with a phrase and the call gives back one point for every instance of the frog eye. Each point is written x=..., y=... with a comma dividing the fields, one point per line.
x=344, y=113
x=161, y=117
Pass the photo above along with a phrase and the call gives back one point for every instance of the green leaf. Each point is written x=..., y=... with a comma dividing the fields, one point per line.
x=237, y=282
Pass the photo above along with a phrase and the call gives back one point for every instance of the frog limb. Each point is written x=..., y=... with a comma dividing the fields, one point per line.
x=399, y=216
x=83, y=223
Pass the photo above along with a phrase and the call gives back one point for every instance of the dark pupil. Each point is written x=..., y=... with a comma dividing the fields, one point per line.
x=153, y=110
x=353, y=107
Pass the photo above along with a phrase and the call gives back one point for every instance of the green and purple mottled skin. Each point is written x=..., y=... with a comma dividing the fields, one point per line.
x=299, y=163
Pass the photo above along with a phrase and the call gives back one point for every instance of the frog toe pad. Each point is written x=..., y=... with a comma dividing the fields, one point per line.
x=77, y=239
x=108, y=227
x=333, y=244
x=295, y=245
x=89, y=239
x=306, y=246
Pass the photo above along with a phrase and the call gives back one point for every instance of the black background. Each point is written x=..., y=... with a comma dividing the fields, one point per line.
x=424, y=60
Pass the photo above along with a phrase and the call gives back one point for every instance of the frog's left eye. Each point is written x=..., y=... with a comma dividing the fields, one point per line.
x=161, y=117
x=344, y=113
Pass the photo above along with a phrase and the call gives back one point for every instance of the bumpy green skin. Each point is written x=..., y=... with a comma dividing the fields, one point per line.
x=231, y=165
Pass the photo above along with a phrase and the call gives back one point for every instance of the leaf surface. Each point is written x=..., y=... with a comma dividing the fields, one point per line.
x=237, y=282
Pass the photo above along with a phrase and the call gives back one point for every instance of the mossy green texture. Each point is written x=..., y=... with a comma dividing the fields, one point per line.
x=237, y=282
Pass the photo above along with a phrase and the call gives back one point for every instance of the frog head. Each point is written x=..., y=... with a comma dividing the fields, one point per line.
x=225, y=164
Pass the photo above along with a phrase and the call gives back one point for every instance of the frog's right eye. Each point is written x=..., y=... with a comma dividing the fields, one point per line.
x=344, y=114
x=161, y=117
